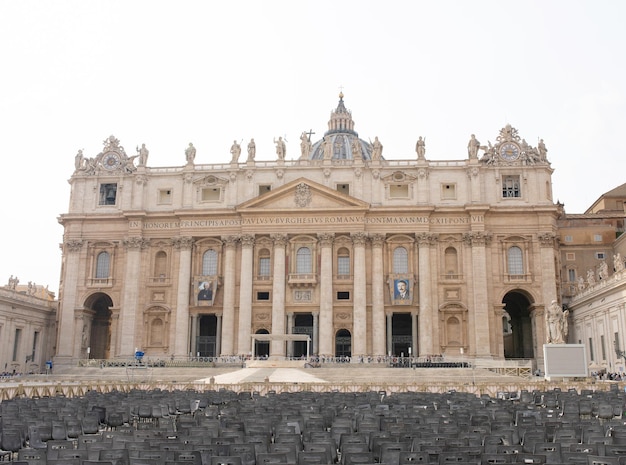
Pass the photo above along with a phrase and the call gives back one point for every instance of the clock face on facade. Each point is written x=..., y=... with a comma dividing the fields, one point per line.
x=509, y=151
x=111, y=161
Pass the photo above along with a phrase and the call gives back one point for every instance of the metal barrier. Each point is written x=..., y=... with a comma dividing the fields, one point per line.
x=79, y=389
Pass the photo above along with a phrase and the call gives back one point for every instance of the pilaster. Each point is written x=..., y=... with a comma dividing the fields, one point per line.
x=326, y=294
x=245, y=295
x=228, y=316
x=180, y=336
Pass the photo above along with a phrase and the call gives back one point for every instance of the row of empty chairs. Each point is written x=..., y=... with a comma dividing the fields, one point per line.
x=225, y=428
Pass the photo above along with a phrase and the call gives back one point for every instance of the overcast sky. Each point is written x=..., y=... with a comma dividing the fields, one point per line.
x=166, y=73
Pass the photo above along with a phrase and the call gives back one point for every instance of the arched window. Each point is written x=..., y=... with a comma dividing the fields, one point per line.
x=451, y=262
x=160, y=264
x=303, y=261
x=515, y=261
x=264, y=263
x=209, y=263
x=103, y=263
x=343, y=262
x=400, y=260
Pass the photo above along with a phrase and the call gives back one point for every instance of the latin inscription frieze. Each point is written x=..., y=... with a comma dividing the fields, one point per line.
x=305, y=220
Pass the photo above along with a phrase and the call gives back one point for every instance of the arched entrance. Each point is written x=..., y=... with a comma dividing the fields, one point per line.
x=262, y=348
x=206, y=344
x=517, y=326
x=100, y=335
x=343, y=343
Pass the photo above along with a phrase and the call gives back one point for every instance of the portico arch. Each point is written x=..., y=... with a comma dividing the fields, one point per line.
x=99, y=340
x=518, y=333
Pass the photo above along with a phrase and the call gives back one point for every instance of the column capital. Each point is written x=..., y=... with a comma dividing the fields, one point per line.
x=74, y=245
x=477, y=238
x=426, y=239
x=359, y=238
x=182, y=242
x=326, y=239
x=247, y=240
x=280, y=240
x=135, y=243
x=378, y=240
x=546, y=239
x=230, y=241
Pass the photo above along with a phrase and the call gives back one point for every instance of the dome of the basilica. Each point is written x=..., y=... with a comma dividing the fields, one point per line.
x=341, y=141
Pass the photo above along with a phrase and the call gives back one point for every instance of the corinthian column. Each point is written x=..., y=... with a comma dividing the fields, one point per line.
x=426, y=319
x=245, y=296
x=228, y=319
x=69, y=302
x=378, y=302
x=359, y=313
x=180, y=335
x=482, y=327
x=277, y=348
x=326, y=295
x=130, y=296
x=548, y=278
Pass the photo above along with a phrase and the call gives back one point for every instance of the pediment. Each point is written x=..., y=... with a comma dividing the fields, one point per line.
x=210, y=180
x=303, y=194
x=398, y=177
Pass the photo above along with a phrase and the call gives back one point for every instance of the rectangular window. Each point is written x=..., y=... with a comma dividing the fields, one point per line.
x=263, y=295
x=165, y=196
x=602, y=347
x=511, y=187
x=571, y=275
x=343, y=266
x=16, y=343
x=264, y=188
x=211, y=194
x=448, y=191
x=616, y=342
x=597, y=237
x=399, y=191
x=600, y=255
x=344, y=188
x=108, y=194
x=343, y=295
x=569, y=239
x=591, y=350
x=570, y=256
x=264, y=266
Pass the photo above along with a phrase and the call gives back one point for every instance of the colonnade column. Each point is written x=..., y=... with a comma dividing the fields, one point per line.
x=378, y=300
x=245, y=296
x=359, y=313
x=289, y=330
x=218, y=335
x=482, y=328
x=326, y=295
x=180, y=335
x=69, y=305
x=316, y=332
x=228, y=317
x=425, y=298
x=193, y=335
x=130, y=296
x=414, y=334
x=277, y=347
x=389, y=333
